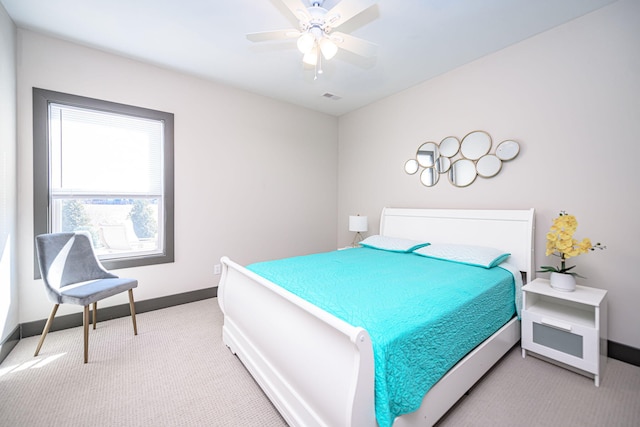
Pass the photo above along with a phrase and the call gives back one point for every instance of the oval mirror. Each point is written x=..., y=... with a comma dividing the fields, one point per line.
x=429, y=177
x=427, y=154
x=507, y=150
x=462, y=172
x=488, y=166
x=475, y=145
x=443, y=164
x=449, y=146
x=411, y=166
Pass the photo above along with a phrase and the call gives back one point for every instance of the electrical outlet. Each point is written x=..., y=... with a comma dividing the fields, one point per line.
x=217, y=269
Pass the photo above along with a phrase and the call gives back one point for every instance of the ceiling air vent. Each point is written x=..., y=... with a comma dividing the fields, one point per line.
x=331, y=96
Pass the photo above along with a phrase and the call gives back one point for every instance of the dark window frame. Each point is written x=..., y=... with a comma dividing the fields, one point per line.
x=41, y=200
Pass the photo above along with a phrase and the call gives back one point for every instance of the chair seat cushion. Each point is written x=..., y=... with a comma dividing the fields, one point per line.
x=86, y=293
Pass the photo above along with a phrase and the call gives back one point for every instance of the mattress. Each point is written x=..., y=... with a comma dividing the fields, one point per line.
x=423, y=315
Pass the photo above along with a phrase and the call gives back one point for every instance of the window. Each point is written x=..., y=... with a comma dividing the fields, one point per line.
x=107, y=169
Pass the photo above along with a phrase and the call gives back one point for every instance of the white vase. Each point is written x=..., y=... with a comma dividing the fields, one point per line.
x=563, y=282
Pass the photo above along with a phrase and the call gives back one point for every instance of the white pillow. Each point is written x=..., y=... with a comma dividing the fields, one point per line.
x=480, y=256
x=392, y=244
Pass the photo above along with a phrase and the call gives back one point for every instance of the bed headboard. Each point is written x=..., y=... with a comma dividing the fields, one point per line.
x=508, y=230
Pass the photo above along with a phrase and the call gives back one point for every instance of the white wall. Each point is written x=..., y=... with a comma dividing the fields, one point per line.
x=254, y=178
x=8, y=274
x=259, y=179
x=571, y=97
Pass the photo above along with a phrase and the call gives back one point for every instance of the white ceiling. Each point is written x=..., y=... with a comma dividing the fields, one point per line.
x=417, y=39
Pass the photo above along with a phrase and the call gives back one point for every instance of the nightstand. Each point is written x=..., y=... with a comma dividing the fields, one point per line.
x=568, y=327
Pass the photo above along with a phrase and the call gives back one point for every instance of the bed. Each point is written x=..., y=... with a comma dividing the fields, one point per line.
x=319, y=370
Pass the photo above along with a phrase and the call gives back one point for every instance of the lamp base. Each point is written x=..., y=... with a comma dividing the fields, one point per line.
x=356, y=239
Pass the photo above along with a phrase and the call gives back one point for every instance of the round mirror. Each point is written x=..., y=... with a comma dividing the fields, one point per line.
x=507, y=150
x=449, y=146
x=462, y=172
x=429, y=177
x=427, y=154
x=443, y=164
x=488, y=166
x=411, y=166
x=475, y=145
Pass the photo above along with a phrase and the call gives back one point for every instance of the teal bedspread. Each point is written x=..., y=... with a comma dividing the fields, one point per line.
x=423, y=315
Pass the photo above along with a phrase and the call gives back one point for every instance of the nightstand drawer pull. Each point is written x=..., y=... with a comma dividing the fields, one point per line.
x=555, y=324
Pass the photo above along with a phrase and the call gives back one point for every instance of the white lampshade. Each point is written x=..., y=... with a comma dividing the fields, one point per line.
x=311, y=57
x=306, y=42
x=358, y=223
x=328, y=48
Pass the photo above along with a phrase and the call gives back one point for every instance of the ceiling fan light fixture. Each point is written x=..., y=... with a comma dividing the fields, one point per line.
x=315, y=35
x=311, y=57
x=306, y=42
x=328, y=48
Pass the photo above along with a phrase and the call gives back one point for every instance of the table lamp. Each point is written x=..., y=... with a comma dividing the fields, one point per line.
x=357, y=224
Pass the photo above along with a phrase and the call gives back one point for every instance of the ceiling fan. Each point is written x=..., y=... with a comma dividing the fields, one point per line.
x=315, y=34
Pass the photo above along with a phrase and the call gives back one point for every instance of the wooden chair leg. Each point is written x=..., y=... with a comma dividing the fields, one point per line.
x=45, y=331
x=85, y=322
x=95, y=314
x=133, y=312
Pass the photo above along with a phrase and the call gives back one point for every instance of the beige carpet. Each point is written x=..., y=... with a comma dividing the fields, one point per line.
x=176, y=372
x=534, y=393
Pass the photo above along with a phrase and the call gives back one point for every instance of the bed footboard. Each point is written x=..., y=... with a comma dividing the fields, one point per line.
x=316, y=369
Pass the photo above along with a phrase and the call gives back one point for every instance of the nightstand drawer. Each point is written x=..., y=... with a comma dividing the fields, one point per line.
x=559, y=339
x=562, y=340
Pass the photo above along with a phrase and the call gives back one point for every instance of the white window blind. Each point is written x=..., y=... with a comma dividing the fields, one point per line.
x=103, y=153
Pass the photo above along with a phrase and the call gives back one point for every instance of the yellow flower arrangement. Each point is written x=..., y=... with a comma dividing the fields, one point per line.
x=560, y=242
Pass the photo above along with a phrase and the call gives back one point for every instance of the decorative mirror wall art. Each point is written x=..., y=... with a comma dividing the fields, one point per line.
x=507, y=150
x=475, y=145
x=411, y=166
x=462, y=161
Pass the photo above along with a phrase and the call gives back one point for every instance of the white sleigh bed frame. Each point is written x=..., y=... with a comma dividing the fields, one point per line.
x=318, y=370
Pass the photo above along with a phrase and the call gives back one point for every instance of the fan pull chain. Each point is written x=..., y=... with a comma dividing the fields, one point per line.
x=318, y=66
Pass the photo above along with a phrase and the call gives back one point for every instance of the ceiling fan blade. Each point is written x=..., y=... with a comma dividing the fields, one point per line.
x=354, y=44
x=298, y=9
x=266, y=36
x=347, y=9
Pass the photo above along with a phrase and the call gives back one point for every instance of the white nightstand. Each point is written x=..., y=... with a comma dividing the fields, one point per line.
x=569, y=327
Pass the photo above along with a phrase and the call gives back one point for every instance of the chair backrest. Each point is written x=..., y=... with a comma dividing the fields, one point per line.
x=65, y=259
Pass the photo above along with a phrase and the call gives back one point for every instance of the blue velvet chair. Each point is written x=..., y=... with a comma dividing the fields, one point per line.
x=72, y=274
